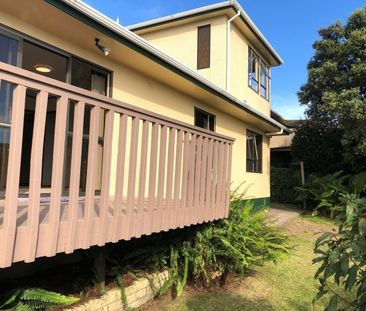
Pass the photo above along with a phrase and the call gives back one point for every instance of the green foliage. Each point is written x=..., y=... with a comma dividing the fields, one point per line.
x=335, y=92
x=324, y=191
x=198, y=254
x=36, y=299
x=175, y=280
x=342, y=254
x=318, y=144
x=233, y=244
x=283, y=181
x=122, y=287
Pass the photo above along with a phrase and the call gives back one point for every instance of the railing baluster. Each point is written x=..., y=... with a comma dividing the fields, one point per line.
x=197, y=180
x=203, y=183
x=142, y=178
x=208, y=196
x=161, y=179
x=57, y=175
x=215, y=164
x=228, y=180
x=77, y=143
x=151, y=207
x=35, y=175
x=12, y=181
x=106, y=177
x=219, y=181
x=169, y=181
x=119, y=212
x=191, y=180
x=131, y=210
x=185, y=173
x=223, y=186
x=177, y=207
x=91, y=176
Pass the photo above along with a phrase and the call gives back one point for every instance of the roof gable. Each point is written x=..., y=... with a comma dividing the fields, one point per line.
x=229, y=8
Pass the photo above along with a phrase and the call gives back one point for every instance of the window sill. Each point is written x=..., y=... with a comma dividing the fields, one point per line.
x=259, y=172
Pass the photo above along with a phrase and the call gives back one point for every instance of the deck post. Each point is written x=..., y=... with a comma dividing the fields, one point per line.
x=99, y=268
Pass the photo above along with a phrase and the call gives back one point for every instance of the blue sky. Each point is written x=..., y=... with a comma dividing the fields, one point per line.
x=290, y=25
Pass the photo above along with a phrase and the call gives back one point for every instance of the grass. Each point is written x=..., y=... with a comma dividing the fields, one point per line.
x=320, y=220
x=287, y=285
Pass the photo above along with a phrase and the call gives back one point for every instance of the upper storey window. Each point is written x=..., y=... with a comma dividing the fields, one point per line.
x=259, y=75
x=264, y=80
x=204, y=47
x=253, y=70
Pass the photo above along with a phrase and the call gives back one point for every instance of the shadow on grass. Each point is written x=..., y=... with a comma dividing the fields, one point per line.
x=226, y=302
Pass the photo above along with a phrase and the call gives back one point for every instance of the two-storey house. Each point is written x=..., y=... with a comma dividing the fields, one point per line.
x=108, y=134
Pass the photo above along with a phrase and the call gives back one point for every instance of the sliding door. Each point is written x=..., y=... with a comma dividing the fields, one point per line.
x=9, y=55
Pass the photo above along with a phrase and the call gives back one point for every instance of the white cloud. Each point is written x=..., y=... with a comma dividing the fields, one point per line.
x=287, y=106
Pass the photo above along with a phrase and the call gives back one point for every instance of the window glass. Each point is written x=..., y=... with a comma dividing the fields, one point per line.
x=35, y=55
x=89, y=77
x=9, y=55
x=264, y=81
x=204, y=119
x=8, y=50
x=4, y=153
x=254, y=152
x=253, y=71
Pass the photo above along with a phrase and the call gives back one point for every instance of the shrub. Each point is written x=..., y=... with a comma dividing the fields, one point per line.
x=342, y=254
x=283, y=182
x=200, y=253
x=323, y=192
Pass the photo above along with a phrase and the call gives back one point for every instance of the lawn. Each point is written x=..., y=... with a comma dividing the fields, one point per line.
x=287, y=285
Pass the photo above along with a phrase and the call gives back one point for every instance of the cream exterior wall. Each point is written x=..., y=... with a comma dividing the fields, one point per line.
x=137, y=89
x=180, y=42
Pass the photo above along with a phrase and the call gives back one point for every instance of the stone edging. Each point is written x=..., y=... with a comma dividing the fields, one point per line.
x=137, y=294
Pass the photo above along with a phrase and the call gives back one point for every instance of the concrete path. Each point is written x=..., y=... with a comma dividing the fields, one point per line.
x=283, y=213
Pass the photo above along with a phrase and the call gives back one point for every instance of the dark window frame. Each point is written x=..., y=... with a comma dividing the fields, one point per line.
x=203, y=46
x=211, y=119
x=254, y=152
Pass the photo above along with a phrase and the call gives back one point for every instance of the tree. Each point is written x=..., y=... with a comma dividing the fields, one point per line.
x=335, y=92
x=318, y=145
x=341, y=254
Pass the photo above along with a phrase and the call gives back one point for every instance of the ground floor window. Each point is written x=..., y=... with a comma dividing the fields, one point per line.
x=204, y=119
x=40, y=58
x=254, y=152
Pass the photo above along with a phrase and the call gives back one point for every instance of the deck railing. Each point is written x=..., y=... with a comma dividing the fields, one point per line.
x=155, y=173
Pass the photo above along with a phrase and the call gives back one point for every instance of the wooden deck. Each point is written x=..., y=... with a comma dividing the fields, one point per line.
x=156, y=173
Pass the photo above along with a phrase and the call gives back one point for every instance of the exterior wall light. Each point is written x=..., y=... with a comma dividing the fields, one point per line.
x=104, y=49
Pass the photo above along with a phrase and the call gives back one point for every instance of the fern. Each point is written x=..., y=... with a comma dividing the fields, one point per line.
x=121, y=285
x=36, y=299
